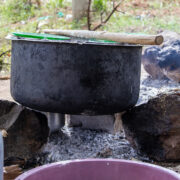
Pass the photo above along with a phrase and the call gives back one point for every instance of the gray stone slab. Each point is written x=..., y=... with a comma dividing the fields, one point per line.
x=109, y=123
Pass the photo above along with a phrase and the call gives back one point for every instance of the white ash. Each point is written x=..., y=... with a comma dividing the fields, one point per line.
x=150, y=88
x=76, y=143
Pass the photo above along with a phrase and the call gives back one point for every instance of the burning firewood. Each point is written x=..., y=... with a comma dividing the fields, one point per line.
x=11, y=172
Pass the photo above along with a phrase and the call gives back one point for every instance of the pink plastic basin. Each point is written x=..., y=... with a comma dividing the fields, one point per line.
x=98, y=169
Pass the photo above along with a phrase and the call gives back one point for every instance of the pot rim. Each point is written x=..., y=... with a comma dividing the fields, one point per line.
x=130, y=162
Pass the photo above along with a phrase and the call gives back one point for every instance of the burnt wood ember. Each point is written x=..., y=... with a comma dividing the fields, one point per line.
x=154, y=127
x=27, y=130
x=164, y=62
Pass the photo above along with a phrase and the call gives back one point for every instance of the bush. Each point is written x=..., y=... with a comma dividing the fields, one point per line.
x=4, y=58
x=55, y=4
x=16, y=10
x=100, y=5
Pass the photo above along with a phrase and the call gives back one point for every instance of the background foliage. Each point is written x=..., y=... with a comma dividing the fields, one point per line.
x=139, y=16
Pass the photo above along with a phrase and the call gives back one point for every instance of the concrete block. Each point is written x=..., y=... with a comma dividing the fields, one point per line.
x=109, y=123
x=55, y=121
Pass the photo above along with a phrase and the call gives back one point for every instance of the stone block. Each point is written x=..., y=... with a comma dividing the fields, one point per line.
x=109, y=123
x=153, y=128
x=27, y=130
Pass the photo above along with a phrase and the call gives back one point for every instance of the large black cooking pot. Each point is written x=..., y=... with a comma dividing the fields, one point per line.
x=75, y=77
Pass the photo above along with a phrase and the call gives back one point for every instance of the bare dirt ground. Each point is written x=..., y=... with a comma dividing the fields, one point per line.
x=5, y=90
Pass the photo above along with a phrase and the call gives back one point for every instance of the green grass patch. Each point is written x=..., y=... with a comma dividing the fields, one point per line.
x=16, y=10
x=128, y=23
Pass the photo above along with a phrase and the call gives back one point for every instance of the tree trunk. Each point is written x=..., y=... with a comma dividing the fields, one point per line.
x=79, y=8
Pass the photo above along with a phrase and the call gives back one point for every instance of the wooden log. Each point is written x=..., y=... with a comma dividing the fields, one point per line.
x=11, y=172
x=117, y=37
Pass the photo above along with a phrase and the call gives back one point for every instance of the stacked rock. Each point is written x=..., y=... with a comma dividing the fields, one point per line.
x=163, y=62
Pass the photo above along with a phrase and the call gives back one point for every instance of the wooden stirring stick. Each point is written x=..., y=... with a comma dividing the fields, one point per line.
x=118, y=37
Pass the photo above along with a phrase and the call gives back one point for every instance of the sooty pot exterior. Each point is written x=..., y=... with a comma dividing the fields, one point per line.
x=75, y=78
